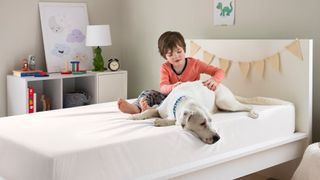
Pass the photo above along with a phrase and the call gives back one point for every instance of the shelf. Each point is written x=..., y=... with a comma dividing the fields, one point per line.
x=96, y=84
x=51, y=88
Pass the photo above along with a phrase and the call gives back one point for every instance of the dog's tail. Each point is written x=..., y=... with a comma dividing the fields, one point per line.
x=262, y=101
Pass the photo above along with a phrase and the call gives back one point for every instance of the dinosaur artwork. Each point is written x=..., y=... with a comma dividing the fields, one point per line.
x=225, y=10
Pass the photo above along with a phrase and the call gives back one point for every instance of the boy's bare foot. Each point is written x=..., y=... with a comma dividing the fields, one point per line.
x=126, y=107
x=144, y=104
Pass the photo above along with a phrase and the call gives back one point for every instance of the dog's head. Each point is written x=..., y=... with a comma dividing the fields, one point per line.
x=198, y=121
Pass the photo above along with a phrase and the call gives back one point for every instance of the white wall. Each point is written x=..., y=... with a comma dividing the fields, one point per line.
x=137, y=24
x=144, y=21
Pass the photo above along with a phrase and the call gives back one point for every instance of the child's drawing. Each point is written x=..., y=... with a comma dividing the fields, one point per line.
x=63, y=29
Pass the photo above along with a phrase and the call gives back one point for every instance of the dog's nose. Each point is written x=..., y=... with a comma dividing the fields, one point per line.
x=212, y=139
x=209, y=140
x=215, y=138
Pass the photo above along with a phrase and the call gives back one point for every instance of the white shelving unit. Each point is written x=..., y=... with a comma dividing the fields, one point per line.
x=100, y=86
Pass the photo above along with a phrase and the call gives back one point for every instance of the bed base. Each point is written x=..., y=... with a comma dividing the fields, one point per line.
x=238, y=163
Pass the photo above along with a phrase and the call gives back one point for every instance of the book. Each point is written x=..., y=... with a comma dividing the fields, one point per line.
x=30, y=99
x=21, y=73
x=34, y=102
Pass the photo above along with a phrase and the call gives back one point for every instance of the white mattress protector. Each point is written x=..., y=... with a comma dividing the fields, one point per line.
x=98, y=142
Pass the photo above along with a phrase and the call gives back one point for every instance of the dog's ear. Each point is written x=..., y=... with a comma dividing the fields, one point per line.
x=187, y=113
x=208, y=116
x=185, y=116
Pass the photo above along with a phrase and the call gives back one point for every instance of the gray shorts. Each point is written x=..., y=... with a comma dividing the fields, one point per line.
x=153, y=98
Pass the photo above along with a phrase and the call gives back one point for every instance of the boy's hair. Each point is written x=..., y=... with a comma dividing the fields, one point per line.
x=170, y=40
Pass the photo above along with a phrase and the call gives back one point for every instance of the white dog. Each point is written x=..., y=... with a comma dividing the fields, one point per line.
x=189, y=106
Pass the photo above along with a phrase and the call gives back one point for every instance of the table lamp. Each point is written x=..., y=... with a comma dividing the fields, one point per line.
x=98, y=35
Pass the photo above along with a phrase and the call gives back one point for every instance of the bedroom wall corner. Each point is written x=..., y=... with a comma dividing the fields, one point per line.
x=21, y=34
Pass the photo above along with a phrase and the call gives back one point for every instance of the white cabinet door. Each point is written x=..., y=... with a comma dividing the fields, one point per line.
x=112, y=86
x=17, y=96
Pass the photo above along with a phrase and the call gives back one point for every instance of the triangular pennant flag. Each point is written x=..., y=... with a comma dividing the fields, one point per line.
x=194, y=48
x=295, y=49
x=274, y=61
x=225, y=65
x=244, y=67
x=208, y=57
x=259, y=66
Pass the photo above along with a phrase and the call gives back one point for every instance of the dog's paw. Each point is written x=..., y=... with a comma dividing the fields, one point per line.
x=134, y=117
x=158, y=122
x=163, y=122
x=130, y=117
x=253, y=114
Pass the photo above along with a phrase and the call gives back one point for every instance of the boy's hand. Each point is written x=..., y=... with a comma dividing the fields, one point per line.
x=210, y=83
x=177, y=84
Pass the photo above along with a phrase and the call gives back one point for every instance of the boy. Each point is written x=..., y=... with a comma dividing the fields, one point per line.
x=175, y=70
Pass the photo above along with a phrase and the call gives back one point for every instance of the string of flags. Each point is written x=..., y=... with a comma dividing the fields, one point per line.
x=258, y=65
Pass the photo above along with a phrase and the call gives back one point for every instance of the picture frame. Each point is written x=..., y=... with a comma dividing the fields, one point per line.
x=64, y=32
x=224, y=12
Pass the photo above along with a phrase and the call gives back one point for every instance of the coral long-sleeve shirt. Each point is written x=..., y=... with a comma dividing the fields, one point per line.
x=192, y=70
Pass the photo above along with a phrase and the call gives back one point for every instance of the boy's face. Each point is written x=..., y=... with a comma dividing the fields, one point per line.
x=176, y=56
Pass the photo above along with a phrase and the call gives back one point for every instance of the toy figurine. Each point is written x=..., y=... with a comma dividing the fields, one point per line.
x=66, y=69
x=46, y=104
x=32, y=62
x=24, y=65
x=76, y=68
x=98, y=60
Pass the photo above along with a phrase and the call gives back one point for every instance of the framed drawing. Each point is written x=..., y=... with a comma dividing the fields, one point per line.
x=63, y=31
x=223, y=13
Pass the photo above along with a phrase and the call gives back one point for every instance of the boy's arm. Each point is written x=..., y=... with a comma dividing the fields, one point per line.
x=165, y=86
x=217, y=74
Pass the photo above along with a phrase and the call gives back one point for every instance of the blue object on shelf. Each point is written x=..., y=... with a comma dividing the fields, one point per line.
x=41, y=74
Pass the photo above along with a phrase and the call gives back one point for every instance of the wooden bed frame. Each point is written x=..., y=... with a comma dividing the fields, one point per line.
x=293, y=83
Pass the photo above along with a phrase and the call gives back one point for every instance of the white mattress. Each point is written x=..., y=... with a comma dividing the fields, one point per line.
x=98, y=142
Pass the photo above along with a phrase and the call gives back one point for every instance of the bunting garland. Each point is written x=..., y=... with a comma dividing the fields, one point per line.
x=295, y=49
x=225, y=65
x=245, y=66
x=208, y=57
x=259, y=66
x=274, y=61
x=194, y=48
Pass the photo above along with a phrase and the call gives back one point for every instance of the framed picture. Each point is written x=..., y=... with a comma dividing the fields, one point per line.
x=223, y=13
x=64, y=32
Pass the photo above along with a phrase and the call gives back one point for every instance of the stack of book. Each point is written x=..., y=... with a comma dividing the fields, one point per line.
x=21, y=73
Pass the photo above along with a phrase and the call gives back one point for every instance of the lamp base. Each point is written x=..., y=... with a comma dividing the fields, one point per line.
x=98, y=63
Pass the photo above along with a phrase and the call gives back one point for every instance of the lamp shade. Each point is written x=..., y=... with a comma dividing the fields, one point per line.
x=98, y=35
